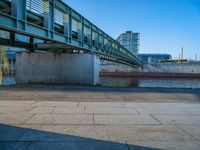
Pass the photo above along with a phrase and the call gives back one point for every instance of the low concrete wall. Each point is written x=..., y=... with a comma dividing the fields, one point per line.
x=179, y=68
x=108, y=66
x=52, y=68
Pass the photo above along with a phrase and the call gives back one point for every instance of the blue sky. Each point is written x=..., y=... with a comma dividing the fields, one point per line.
x=165, y=25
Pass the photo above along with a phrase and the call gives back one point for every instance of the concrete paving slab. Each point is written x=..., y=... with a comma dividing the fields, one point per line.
x=41, y=110
x=68, y=110
x=111, y=110
x=191, y=110
x=18, y=118
x=14, y=109
x=147, y=133
x=170, y=145
x=11, y=133
x=93, y=145
x=124, y=119
x=196, y=117
x=160, y=110
x=60, y=119
x=56, y=103
x=102, y=104
x=14, y=103
x=192, y=130
x=186, y=105
x=176, y=119
x=65, y=133
x=148, y=105
x=14, y=145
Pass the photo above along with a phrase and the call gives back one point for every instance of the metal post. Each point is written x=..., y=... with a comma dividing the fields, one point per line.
x=18, y=10
x=66, y=24
x=49, y=17
x=82, y=31
x=70, y=26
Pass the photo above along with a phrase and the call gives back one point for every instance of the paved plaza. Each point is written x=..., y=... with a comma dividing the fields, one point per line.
x=83, y=120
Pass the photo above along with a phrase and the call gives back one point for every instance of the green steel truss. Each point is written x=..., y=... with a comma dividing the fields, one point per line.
x=61, y=27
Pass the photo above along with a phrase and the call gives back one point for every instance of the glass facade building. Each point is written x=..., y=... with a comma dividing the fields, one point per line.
x=130, y=40
x=154, y=58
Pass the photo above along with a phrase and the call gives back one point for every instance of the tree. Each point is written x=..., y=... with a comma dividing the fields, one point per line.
x=4, y=64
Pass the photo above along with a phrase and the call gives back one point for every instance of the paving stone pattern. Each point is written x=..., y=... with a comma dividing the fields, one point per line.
x=89, y=118
x=28, y=125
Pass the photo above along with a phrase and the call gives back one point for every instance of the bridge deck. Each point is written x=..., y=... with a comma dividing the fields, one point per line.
x=55, y=22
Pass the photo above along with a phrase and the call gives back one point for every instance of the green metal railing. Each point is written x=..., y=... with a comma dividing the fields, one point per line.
x=55, y=21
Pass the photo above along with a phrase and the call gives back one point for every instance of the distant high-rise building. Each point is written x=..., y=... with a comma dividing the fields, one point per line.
x=130, y=40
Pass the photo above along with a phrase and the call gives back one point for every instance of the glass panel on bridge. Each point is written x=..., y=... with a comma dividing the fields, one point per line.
x=58, y=16
x=75, y=29
x=35, y=11
x=36, y=6
x=87, y=34
x=105, y=43
x=94, y=38
x=100, y=41
x=59, y=21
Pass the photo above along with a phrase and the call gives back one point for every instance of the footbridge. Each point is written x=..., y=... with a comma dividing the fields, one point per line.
x=52, y=26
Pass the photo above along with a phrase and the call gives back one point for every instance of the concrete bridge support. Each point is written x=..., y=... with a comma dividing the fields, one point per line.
x=54, y=68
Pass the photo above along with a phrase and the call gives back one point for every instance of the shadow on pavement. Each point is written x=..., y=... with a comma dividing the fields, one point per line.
x=19, y=138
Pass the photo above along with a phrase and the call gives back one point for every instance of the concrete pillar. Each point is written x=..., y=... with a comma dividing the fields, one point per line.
x=51, y=68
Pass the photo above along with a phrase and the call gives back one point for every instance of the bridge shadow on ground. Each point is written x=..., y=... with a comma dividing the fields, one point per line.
x=20, y=138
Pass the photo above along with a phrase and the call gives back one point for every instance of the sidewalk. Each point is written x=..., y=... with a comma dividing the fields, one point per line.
x=60, y=125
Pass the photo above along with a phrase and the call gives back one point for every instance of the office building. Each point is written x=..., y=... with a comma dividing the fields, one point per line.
x=130, y=40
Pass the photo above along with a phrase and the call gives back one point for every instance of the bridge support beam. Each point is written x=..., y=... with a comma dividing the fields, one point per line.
x=54, y=68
